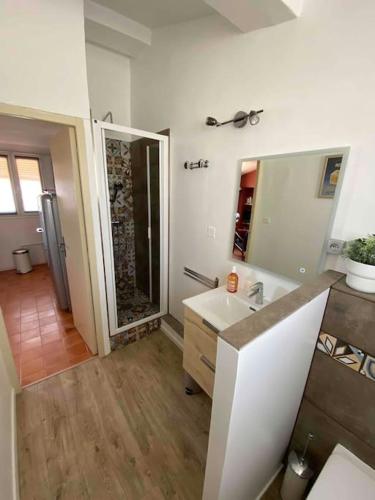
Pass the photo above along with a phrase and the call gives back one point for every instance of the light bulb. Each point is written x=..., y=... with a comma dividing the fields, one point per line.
x=253, y=118
x=211, y=122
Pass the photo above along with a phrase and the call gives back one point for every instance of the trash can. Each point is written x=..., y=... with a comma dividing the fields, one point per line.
x=22, y=261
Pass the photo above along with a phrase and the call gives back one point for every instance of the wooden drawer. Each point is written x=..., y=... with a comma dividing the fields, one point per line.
x=201, y=323
x=200, y=356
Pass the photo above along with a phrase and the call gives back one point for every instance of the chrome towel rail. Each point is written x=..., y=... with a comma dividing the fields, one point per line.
x=201, y=278
x=191, y=165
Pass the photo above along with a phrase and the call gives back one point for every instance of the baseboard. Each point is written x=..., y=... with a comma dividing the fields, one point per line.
x=14, y=447
x=172, y=334
x=268, y=484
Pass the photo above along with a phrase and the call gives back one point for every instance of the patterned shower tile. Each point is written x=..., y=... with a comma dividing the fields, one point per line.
x=326, y=343
x=368, y=368
x=125, y=338
x=347, y=354
x=122, y=211
x=132, y=304
x=124, y=148
x=112, y=146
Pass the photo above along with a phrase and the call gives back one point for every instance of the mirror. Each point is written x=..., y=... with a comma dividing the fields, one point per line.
x=285, y=210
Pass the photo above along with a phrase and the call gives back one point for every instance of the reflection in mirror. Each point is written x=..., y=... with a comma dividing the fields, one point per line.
x=284, y=211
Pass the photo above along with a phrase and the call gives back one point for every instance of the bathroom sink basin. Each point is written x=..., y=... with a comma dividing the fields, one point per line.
x=221, y=308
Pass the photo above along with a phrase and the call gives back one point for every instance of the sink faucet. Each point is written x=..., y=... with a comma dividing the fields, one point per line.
x=257, y=290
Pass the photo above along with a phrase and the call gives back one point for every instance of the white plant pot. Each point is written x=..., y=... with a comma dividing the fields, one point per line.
x=361, y=277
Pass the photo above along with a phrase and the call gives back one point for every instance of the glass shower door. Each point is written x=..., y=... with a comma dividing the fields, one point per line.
x=132, y=176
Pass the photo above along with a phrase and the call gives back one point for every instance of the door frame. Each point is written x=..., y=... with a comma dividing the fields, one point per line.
x=99, y=128
x=85, y=186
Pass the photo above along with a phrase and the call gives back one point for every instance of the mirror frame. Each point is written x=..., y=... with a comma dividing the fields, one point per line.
x=344, y=150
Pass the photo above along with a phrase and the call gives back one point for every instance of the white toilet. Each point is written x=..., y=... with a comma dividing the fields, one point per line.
x=344, y=477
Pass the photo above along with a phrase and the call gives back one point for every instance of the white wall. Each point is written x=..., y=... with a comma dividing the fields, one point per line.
x=308, y=74
x=8, y=452
x=6, y=449
x=108, y=77
x=19, y=231
x=257, y=395
x=297, y=219
x=42, y=54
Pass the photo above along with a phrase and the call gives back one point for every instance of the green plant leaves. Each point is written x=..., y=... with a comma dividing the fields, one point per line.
x=362, y=250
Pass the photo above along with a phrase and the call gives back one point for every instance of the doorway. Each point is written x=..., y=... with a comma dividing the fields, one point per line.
x=47, y=334
x=132, y=173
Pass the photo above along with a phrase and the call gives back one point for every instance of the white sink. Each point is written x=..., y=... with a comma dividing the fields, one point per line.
x=221, y=308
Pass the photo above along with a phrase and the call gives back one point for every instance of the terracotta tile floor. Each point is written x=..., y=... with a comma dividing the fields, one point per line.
x=43, y=338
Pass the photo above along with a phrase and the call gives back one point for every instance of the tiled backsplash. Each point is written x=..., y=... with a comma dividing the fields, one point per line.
x=347, y=354
x=138, y=332
x=338, y=405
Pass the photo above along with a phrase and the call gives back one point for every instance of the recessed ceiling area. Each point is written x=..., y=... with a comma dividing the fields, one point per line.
x=24, y=132
x=125, y=26
x=158, y=13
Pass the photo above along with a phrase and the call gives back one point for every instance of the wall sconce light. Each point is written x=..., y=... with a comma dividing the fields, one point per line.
x=240, y=119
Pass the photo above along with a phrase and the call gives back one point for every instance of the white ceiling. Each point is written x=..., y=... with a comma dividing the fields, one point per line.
x=26, y=133
x=249, y=166
x=158, y=13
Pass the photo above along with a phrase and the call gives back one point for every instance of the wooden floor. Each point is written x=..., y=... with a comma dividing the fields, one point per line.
x=114, y=428
x=273, y=492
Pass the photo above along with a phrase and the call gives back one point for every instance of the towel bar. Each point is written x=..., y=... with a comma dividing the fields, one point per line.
x=201, y=278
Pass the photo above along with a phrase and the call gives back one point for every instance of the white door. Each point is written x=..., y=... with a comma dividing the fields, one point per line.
x=68, y=192
x=132, y=178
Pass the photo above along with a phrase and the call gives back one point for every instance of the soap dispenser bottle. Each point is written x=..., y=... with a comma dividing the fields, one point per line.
x=232, y=281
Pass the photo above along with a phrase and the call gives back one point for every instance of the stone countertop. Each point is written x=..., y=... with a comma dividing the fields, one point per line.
x=243, y=332
x=341, y=286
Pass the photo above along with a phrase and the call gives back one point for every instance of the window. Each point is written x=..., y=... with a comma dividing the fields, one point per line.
x=7, y=203
x=20, y=184
x=30, y=183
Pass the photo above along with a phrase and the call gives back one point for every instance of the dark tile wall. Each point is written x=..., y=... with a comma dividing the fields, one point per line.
x=140, y=201
x=344, y=395
x=327, y=433
x=139, y=162
x=339, y=400
x=351, y=319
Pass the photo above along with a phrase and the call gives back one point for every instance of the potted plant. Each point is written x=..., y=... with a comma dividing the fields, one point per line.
x=360, y=264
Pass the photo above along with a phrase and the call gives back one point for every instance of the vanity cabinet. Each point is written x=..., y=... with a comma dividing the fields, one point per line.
x=200, y=345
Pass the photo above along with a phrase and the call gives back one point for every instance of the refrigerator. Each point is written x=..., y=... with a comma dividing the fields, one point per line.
x=54, y=247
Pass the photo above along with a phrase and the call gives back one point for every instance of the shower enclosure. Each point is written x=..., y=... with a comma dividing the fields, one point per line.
x=132, y=177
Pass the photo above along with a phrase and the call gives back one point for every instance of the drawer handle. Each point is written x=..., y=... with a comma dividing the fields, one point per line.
x=211, y=327
x=208, y=363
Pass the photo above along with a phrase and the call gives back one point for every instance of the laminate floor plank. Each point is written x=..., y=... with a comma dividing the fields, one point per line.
x=115, y=428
